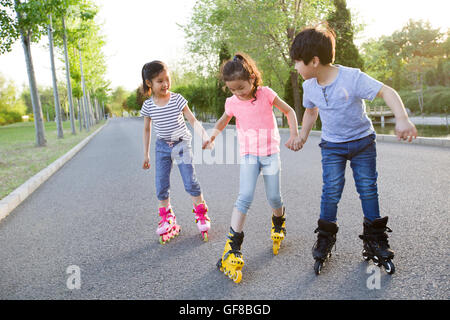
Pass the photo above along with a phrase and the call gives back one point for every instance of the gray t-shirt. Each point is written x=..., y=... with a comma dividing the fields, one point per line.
x=341, y=104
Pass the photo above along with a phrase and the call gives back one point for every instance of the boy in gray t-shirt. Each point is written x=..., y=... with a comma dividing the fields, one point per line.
x=337, y=93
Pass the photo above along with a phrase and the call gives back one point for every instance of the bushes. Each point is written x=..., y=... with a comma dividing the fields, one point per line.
x=204, y=99
x=8, y=117
x=435, y=100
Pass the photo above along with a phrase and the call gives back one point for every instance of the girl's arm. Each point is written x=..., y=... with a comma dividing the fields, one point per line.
x=147, y=139
x=198, y=128
x=292, y=121
x=404, y=128
x=309, y=118
x=218, y=128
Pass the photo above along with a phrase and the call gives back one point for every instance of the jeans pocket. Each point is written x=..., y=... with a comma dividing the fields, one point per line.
x=323, y=143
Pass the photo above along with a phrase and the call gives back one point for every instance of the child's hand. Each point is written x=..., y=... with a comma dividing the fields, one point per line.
x=209, y=144
x=290, y=143
x=146, y=164
x=299, y=142
x=295, y=143
x=405, y=130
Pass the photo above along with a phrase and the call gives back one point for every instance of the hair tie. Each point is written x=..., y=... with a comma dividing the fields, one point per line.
x=236, y=58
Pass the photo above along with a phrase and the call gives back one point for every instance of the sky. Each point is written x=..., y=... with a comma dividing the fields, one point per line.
x=139, y=31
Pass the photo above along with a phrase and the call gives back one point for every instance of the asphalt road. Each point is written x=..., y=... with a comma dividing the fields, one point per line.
x=98, y=213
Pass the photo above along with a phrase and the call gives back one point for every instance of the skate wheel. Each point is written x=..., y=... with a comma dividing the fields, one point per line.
x=237, y=276
x=364, y=255
x=161, y=241
x=318, y=267
x=389, y=267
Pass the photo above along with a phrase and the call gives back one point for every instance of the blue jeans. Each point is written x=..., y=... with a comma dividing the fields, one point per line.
x=250, y=168
x=181, y=153
x=362, y=155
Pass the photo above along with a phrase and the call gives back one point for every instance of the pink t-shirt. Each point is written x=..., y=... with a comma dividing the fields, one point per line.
x=255, y=123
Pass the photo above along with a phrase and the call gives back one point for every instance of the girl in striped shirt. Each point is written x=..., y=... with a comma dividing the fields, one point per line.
x=166, y=111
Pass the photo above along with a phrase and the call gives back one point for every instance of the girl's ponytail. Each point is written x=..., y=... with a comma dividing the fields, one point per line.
x=242, y=67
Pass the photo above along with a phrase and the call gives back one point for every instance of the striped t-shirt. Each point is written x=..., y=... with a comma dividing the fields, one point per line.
x=168, y=121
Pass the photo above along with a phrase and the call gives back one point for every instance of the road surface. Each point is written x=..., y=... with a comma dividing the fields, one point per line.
x=98, y=214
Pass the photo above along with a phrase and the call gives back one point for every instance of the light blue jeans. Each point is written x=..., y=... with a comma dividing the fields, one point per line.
x=250, y=168
x=181, y=153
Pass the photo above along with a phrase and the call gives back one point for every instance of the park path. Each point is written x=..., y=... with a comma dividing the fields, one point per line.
x=98, y=213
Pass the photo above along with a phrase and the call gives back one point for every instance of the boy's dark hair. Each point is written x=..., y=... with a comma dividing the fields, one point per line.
x=314, y=42
x=241, y=67
x=149, y=71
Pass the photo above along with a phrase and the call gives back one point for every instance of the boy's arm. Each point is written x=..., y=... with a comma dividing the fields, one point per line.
x=198, y=128
x=147, y=139
x=404, y=128
x=218, y=128
x=308, y=121
x=292, y=121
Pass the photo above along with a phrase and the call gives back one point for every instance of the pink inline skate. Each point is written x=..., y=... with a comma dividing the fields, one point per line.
x=202, y=220
x=167, y=227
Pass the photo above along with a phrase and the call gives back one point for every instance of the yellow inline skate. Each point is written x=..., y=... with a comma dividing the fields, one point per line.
x=231, y=261
x=278, y=231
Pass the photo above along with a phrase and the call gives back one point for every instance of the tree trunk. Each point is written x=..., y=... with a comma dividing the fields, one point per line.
x=59, y=127
x=69, y=85
x=85, y=97
x=35, y=102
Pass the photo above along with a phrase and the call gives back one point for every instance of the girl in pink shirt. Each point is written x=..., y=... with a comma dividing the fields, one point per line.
x=259, y=141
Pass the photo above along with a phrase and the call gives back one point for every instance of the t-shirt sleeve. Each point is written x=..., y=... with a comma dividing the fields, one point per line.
x=307, y=103
x=229, y=108
x=145, y=110
x=181, y=102
x=366, y=86
x=270, y=94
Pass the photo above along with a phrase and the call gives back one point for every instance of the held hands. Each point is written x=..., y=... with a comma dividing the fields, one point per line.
x=405, y=130
x=295, y=143
x=209, y=144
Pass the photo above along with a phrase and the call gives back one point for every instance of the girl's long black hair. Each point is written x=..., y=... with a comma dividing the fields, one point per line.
x=149, y=71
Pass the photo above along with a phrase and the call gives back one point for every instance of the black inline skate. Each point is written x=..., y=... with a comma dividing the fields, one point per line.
x=375, y=242
x=326, y=239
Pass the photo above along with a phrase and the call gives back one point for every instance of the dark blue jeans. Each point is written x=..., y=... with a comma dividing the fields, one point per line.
x=181, y=153
x=362, y=155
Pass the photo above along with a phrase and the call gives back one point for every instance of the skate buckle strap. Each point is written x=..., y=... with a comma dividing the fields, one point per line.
x=237, y=254
x=324, y=239
x=201, y=213
x=166, y=215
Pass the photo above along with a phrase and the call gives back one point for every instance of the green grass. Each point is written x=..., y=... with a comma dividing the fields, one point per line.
x=20, y=159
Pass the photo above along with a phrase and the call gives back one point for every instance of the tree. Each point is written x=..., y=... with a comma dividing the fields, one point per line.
x=264, y=29
x=58, y=120
x=9, y=31
x=87, y=60
x=60, y=9
x=31, y=19
x=404, y=58
x=118, y=98
x=340, y=20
